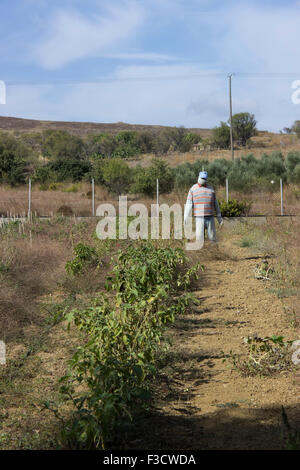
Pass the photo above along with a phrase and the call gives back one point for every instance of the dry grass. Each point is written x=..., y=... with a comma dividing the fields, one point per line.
x=48, y=203
x=14, y=202
x=278, y=238
x=35, y=291
x=30, y=268
x=267, y=142
x=82, y=129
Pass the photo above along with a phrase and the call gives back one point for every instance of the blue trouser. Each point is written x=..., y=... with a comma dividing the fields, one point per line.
x=206, y=222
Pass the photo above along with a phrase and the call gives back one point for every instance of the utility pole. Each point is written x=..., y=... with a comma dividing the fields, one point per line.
x=230, y=108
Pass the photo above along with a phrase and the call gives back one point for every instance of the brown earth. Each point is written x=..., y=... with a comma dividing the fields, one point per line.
x=201, y=402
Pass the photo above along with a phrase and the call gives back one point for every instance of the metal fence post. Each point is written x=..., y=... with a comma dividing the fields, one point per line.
x=2, y=353
x=281, y=197
x=29, y=198
x=157, y=197
x=93, y=197
x=227, y=191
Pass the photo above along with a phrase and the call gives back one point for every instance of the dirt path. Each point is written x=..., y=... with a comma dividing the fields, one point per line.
x=200, y=402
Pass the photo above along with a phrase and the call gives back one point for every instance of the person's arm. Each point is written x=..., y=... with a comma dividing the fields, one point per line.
x=218, y=211
x=188, y=206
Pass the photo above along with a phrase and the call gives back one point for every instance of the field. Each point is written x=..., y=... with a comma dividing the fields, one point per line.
x=201, y=396
x=125, y=344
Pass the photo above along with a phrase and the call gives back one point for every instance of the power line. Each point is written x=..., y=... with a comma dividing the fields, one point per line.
x=112, y=80
x=242, y=75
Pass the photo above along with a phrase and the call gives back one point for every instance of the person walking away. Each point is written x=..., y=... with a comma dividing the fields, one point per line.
x=203, y=199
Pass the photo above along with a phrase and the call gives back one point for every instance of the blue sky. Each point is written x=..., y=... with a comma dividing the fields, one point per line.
x=160, y=62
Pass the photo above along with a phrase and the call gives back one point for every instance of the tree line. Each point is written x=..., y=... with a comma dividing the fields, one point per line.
x=54, y=156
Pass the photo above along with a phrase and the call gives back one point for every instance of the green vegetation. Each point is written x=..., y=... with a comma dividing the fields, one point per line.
x=265, y=356
x=246, y=174
x=14, y=160
x=144, y=179
x=57, y=156
x=54, y=155
x=83, y=255
x=243, y=128
x=116, y=175
x=221, y=136
x=234, y=208
x=109, y=374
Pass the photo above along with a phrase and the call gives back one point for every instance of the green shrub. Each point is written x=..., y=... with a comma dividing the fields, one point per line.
x=265, y=356
x=69, y=169
x=244, y=127
x=44, y=175
x=61, y=145
x=54, y=186
x=84, y=255
x=144, y=179
x=116, y=175
x=185, y=176
x=71, y=189
x=293, y=167
x=221, y=136
x=13, y=160
x=234, y=208
x=109, y=374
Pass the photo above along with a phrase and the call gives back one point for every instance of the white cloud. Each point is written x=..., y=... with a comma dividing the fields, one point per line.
x=247, y=37
x=257, y=37
x=73, y=36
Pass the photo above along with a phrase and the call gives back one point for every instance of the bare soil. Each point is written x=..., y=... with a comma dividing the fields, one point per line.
x=200, y=401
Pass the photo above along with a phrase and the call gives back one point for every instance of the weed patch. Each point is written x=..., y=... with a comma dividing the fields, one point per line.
x=265, y=356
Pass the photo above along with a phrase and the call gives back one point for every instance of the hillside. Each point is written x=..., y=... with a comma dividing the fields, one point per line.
x=265, y=141
x=82, y=129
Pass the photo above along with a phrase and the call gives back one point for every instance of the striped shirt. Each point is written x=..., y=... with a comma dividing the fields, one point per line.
x=204, y=200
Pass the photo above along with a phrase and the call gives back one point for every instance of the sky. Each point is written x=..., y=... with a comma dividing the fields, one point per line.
x=163, y=62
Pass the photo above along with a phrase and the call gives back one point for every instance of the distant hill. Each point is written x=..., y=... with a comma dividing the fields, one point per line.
x=82, y=129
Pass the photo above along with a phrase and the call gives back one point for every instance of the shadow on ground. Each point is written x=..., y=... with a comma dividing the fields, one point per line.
x=232, y=428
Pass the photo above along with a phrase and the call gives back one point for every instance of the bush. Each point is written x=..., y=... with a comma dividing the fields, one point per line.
x=84, y=255
x=58, y=145
x=234, y=208
x=221, y=136
x=296, y=174
x=44, y=174
x=108, y=377
x=244, y=127
x=271, y=166
x=13, y=160
x=265, y=356
x=71, y=189
x=69, y=169
x=127, y=144
x=185, y=176
x=217, y=171
x=144, y=179
x=293, y=166
x=116, y=175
